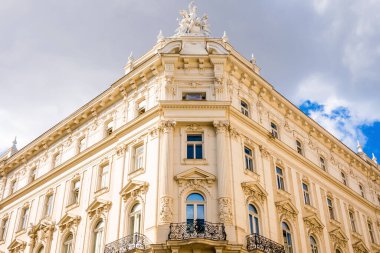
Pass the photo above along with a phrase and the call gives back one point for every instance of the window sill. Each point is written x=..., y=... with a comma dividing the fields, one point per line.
x=195, y=161
x=137, y=172
x=252, y=174
x=72, y=206
x=335, y=222
x=356, y=235
x=102, y=191
x=310, y=208
x=283, y=193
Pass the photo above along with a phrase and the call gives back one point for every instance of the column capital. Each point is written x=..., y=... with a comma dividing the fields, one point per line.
x=167, y=125
x=221, y=125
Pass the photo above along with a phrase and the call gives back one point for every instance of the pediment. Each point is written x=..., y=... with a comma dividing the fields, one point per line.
x=359, y=247
x=134, y=188
x=98, y=206
x=195, y=176
x=68, y=220
x=286, y=209
x=314, y=224
x=253, y=190
x=173, y=47
x=216, y=48
x=44, y=225
x=16, y=245
x=338, y=237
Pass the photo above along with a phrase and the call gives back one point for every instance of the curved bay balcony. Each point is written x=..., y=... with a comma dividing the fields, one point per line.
x=259, y=243
x=197, y=229
x=128, y=243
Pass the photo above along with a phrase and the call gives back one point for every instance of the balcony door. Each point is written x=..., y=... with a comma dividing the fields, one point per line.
x=195, y=212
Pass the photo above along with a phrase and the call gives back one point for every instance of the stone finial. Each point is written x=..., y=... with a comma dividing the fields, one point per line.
x=255, y=68
x=359, y=147
x=225, y=37
x=374, y=158
x=129, y=66
x=160, y=36
x=253, y=59
x=191, y=24
x=14, y=142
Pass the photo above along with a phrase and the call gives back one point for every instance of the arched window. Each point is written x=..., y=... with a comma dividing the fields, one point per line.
x=195, y=212
x=67, y=246
x=135, y=219
x=287, y=236
x=313, y=245
x=253, y=217
x=98, y=237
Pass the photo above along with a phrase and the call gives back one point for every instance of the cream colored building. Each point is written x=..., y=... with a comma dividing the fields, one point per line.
x=190, y=151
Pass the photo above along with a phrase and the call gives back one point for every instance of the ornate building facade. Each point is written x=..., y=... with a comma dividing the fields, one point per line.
x=190, y=151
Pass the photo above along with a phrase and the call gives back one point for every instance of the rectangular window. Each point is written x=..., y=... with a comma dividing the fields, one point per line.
x=306, y=194
x=280, y=179
x=141, y=107
x=322, y=163
x=33, y=174
x=109, y=128
x=139, y=157
x=299, y=147
x=244, y=108
x=48, y=208
x=24, y=218
x=343, y=176
x=103, y=176
x=361, y=188
x=352, y=220
x=331, y=208
x=194, y=146
x=197, y=96
x=274, y=130
x=4, y=228
x=371, y=232
x=248, y=155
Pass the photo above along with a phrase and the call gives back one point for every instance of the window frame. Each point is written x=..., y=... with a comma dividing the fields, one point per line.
x=306, y=194
x=68, y=241
x=323, y=163
x=48, y=205
x=362, y=190
x=249, y=159
x=134, y=218
x=300, y=147
x=288, y=248
x=203, y=96
x=109, y=127
x=4, y=228
x=351, y=217
x=343, y=177
x=280, y=178
x=24, y=217
x=331, y=208
x=275, y=131
x=245, y=110
x=371, y=232
x=103, y=178
x=313, y=244
x=254, y=220
x=194, y=145
x=99, y=227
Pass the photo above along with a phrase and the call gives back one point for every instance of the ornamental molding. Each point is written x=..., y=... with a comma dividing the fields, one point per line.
x=17, y=246
x=254, y=192
x=221, y=126
x=166, y=210
x=225, y=210
x=359, y=247
x=68, y=222
x=134, y=189
x=194, y=177
x=98, y=207
x=286, y=210
x=167, y=125
x=313, y=224
x=41, y=233
x=338, y=238
x=194, y=127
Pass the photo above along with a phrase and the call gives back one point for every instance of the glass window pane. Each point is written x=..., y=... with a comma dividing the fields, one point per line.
x=194, y=137
x=190, y=212
x=257, y=225
x=190, y=151
x=251, y=224
x=252, y=208
x=198, y=150
x=195, y=197
x=200, y=212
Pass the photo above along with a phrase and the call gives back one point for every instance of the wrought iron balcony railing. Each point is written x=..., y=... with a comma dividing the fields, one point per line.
x=128, y=243
x=263, y=244
x=197, y=229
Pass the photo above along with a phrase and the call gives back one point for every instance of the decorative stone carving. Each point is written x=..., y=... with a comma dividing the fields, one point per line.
x=359, y=247
x=98, y=207
x=225, y=210
x=17, y=246
x=221, y=126
x=134, y=189
x=69, y=221
x=264, y=152
x=166, y=213
x=42, y=233
x=338, y=238
x=286, y=210
x=195, y=176
x=194, y=127
x=120, y=150
x=167, y=125
x=191, y=24
x=313, y=224
x=254, y=192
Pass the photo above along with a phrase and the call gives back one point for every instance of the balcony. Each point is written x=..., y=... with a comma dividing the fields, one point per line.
x=128, y=243
x=258, y=243
x=197, y=229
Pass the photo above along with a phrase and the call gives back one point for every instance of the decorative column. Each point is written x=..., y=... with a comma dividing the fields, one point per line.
x=224, y=172
x=166, y=172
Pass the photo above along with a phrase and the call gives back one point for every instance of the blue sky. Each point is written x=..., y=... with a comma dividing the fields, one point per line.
x=323, y=55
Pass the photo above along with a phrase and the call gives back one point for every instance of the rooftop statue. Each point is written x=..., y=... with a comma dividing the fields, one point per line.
x=191, y=24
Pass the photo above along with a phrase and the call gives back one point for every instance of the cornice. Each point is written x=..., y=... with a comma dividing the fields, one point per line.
x=180, y=104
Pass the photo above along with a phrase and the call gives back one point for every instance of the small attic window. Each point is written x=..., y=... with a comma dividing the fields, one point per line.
x=141, y=107
x=194, y=96
x=109, y=128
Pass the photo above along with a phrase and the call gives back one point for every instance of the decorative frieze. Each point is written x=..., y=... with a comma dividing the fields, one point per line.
x=98, y=207
x=42, y=233
x=254, y=192
x=313, y=224
x=69, y=221
x=286, y=210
